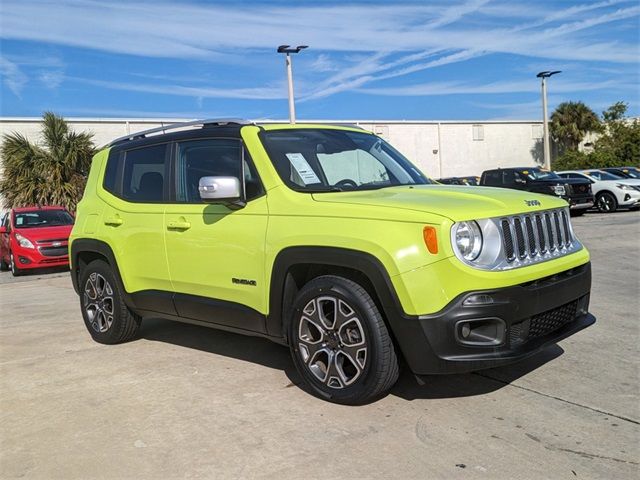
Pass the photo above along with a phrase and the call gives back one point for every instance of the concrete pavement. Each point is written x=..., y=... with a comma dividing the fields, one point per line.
x=190, y=402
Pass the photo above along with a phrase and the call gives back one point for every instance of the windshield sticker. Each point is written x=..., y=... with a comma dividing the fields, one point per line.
x=303, y=168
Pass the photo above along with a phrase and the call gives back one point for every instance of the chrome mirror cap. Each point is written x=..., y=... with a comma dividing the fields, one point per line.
x=214, y=189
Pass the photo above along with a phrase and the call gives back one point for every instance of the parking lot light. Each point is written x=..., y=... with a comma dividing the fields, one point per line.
x=545, y=117
x=287, y=50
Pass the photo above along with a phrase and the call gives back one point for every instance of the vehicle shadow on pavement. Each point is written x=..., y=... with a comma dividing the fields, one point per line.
x=218, y=342
x=471, y=384
x=264, y=352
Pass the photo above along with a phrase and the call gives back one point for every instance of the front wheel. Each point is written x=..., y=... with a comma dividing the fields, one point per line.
x=607, y=202
x=340, y=343
x=15, y=270
x=104, y=311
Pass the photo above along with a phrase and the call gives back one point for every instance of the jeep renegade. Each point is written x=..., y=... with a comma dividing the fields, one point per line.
x=325, y=239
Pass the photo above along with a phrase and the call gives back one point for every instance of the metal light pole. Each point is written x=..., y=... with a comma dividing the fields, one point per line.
x=545, y=117
x=287, y=50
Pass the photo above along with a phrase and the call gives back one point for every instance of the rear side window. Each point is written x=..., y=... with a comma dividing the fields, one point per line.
x=492, y=178
x=111, y=172
x=144, y=174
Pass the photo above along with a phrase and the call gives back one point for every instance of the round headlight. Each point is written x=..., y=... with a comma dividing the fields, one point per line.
x=468, y=240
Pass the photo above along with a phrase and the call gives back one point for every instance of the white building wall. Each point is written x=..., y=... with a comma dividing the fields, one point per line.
x=440, y=149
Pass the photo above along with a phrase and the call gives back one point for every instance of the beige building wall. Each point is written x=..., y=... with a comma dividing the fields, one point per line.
x=440, y=149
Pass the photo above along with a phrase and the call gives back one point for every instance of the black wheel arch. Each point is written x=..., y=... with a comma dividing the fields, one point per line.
x=295, y=266
x=83, y=251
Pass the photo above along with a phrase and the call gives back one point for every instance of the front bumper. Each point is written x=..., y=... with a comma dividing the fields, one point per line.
x=520, y=321
x=580, y=202
x=40, y=257
x=630, y=199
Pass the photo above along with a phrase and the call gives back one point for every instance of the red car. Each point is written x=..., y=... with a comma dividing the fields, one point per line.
x=34, y=237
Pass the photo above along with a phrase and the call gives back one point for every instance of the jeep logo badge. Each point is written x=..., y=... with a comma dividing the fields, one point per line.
x=532, y=203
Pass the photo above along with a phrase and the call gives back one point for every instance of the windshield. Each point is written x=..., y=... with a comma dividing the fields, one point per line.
x=42, y=218
x=537, y=174
x=630, y=172
x=325, y=160
x=600, y=175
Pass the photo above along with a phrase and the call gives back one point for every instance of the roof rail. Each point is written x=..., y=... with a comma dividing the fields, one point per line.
x=174, y=126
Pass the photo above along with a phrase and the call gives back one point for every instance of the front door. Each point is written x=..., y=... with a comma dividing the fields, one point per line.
x=216, y=253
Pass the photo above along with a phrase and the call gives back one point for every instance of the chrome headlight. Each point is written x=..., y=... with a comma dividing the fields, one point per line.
x=468, y=240
x=23, y=241
x=622, y=186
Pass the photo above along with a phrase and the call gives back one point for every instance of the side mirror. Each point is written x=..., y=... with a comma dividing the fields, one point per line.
x=3, y=229
x=221, y=190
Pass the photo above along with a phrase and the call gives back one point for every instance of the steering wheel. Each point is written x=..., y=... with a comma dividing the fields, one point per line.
x=346, y=182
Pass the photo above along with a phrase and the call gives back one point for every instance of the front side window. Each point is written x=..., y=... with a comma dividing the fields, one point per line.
x=316, y=160
x=42, y=218
x=213, y=158
x=144, y=174
x=599, y=175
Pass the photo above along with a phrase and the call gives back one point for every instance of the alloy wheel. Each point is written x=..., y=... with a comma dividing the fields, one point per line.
x=606, y=203
x=332, y=341
x=98, y=302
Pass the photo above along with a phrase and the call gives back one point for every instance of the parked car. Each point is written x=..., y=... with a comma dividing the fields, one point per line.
x=624, y=172
x=611, y=191
x=325, y=239
x=576, y=192
x=34, y=237
x=459, y=180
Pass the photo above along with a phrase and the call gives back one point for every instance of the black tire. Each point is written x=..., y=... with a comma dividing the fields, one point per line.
x=108, y=321
x=361, y=323
x=606, y=202
x=4, y=266
x=15, y=270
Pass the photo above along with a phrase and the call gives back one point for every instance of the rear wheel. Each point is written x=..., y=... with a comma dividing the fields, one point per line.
x=340, y=343
x=607, y=202
x=105, y=313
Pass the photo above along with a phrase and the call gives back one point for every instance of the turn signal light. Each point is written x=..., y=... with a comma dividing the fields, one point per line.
x=430, y=239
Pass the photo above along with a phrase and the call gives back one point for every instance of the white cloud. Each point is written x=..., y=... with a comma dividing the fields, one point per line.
x=13, y=77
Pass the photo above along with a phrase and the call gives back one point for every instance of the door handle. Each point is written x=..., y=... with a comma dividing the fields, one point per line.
x=178, y=225
x=114, y=221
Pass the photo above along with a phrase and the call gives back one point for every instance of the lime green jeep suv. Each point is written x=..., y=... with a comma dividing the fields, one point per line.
x=325, y=239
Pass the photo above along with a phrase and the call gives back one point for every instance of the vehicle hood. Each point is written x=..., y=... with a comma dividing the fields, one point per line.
x=622, y=181
x=45, y=233
x=456, y=202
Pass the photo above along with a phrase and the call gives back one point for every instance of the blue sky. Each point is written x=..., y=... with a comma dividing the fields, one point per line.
x=448, y=60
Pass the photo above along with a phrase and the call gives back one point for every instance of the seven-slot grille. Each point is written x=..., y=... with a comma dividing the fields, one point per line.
x=535, y=234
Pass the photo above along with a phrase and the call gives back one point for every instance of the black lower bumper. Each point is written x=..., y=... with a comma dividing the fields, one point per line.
x=491, y=328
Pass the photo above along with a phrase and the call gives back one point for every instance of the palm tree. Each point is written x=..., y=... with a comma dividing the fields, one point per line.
x=51, y=173
x=570, y=122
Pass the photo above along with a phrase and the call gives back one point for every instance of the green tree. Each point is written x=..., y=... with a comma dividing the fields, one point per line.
x=570, y=122
x=51, y=173
x=620, y=141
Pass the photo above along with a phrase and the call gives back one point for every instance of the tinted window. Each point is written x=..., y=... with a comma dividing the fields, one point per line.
x=213, y=158
x=492, y=178
x=144, y=174
x=42, y=218
x=598, y=175
x=111, y=171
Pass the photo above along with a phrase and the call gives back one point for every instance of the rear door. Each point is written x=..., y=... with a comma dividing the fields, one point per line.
x=216, y=254
x=135, y=191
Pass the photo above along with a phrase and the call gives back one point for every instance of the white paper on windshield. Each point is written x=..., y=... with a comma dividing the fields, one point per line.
x=303, y=168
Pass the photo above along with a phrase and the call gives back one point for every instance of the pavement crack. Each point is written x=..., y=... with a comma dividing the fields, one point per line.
x=553, y=397
x=592, y=455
